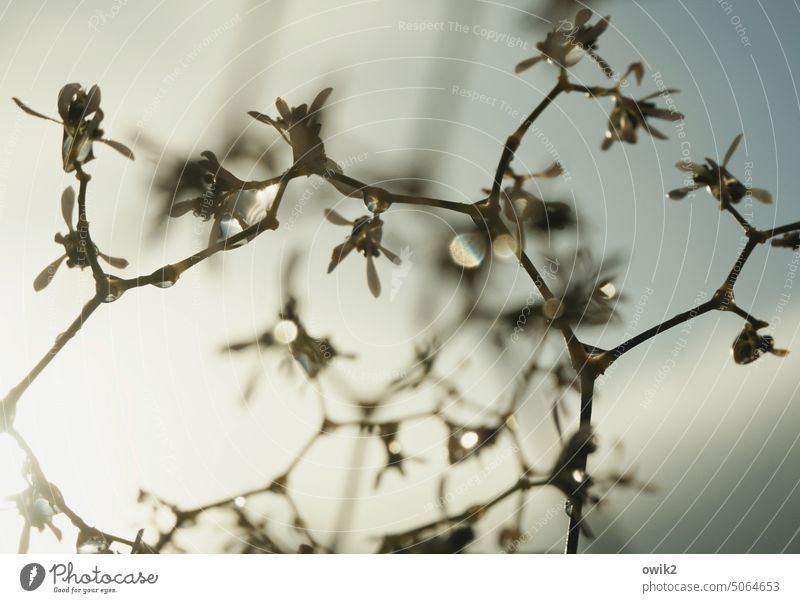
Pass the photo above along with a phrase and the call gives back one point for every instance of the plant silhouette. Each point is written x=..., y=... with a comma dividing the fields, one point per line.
x=502, y=223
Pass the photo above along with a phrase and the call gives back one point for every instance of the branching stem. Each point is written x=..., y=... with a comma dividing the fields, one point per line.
x=513, y=142
x=589, y=362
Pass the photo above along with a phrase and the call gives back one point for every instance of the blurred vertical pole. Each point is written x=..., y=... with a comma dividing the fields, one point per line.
x=422, y=170
x=352, y=484
x=253, y=29
x=442, y=71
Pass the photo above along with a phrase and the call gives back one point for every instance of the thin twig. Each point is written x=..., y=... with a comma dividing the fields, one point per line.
x=87, y=246
x=56, y=499
x=483, y=212
x=631, y=343
x=588, y=378
x=782, y=229
x=8, y=405
x=513, y=142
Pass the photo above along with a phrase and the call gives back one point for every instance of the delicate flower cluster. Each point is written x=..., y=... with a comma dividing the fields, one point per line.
x=789, y=239
x=569, y=42
x=750, y=345
x=582, y=294
x=313, y=354
x=365, y=237
x=718, y=181
x=300, y=127
x=233, y=204
x=80, y=116
x=74, y=246
x=628, y=116
x=586, y=295
x=532, y=213
x=464, y=442
x=388, y=434
x=37, y=512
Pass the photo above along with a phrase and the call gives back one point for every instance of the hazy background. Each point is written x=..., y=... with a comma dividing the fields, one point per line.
x=143, y=398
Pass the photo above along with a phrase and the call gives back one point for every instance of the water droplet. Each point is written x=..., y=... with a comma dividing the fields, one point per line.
x=505, y=246
x=579, y=476
x=574, y=54
x=43, y=508
x=608, y=290
x=267, y=195
x=305, y=361
x=167, y=277
x=468, y=250
x=553, y=308
x=114, y=289
x=469, y=439
x=394, y=447
x=240, y=502
x=92, y=546
x=285, y=332
x=375, y=202
x=227, y=229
